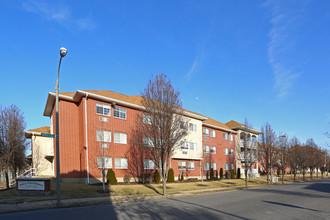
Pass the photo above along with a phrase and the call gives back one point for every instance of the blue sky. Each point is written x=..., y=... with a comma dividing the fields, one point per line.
x=263, y=60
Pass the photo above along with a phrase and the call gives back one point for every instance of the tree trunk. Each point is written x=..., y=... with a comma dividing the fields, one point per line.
x=294, y=175
x=303, y=174
x=282, y=176
x=164, y=186
x=267, y=177
x=311, y=173
x=7, y=179
x=245, y=171
x=103, y=180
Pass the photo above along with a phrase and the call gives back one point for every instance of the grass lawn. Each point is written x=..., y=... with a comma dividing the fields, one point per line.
x=79, y=190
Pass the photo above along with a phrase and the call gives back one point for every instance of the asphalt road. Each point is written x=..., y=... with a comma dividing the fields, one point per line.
x=309, y=200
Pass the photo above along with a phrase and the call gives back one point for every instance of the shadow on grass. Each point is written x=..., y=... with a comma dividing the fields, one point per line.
x=151, y=187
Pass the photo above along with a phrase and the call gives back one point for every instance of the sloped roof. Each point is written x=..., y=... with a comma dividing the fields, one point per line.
x=213, y=122
x=238, y=126
x=233, y=124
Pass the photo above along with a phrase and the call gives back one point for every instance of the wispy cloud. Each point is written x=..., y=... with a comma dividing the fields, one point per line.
x=285, y=20
x=60, y=14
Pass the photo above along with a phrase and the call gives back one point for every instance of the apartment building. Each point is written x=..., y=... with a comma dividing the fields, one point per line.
x=95, y=124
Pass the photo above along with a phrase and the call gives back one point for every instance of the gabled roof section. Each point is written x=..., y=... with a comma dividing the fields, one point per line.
x=234, y=125
x=216, y=124
x=37, y=131
x=107, y=96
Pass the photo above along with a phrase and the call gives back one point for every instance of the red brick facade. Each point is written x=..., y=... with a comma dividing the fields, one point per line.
x=76, y=144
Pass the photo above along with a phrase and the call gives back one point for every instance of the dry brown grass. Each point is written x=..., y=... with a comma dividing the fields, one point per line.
x=78, y=190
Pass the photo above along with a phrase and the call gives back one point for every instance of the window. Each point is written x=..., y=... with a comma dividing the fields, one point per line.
x=206, y=166
x=184, y=145
x=225, y=151
x=191, y=165
x=184, y=125
x=231, y=151
x=119, y=112
x=102, y=109
x=254, y=139
x=193, y=146
x=212, y=133
x=149, y=165
x=231, y=166
x=225, y=136
x=147, y=141
x=104, y=136
x=181, y=165
x=104, y=162
x=231, y=137
x=147, y=119
x=206, y=149
x=120, y=138
x=213, y=150
x=225, y=166
x=104, y=145
x=104, y=119
x=120, y=163
x=214, y=166
x=205, y=131
x=192, y=127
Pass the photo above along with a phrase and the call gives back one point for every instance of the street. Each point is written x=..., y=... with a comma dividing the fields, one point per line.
x=307, y=200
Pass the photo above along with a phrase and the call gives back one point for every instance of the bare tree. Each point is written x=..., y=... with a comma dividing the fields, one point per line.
x=293, y=156
x=12, y=140
x=268, y=138
x=248, y=151
x=102, y=149
x=283, y=145
x=311, y=155
x=162, y=121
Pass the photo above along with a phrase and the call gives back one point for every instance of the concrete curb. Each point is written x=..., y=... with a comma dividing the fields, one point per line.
x=50, y=204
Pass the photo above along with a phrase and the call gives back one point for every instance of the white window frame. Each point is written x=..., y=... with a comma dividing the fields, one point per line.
x=225, y=136
x=147, y=141
x=206, y=131
x=122, y=163
x=182, y=165
x=231, y=151
x=103, y=145
x=122, y=138
x=149, y=164
x=206, y=149
x=107, y=162
x=122, y=114
x=191, y=165
x=193, y=146
x=184, y=145
x=147, y=119
x=213, y=150
x=225, y=166
x=212, y=133
x=206, y=166
x=231, y=137
x=225, y=151
x=214, y=166
x=192, y=127
x=100, y=106
x=231, y=166
x=103, y=136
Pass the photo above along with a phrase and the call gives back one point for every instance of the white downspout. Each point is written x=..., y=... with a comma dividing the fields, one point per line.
x=86, y=138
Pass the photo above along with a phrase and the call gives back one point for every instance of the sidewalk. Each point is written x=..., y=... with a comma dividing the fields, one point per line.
x=49, y=204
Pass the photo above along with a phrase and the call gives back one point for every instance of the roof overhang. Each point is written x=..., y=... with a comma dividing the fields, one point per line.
x=220, y=128
x=248, y=129
x=80, y=93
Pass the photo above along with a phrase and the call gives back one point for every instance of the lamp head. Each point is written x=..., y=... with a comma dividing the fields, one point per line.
x=63, y=51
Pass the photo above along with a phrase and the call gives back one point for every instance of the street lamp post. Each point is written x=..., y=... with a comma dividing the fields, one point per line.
x=63, y=52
